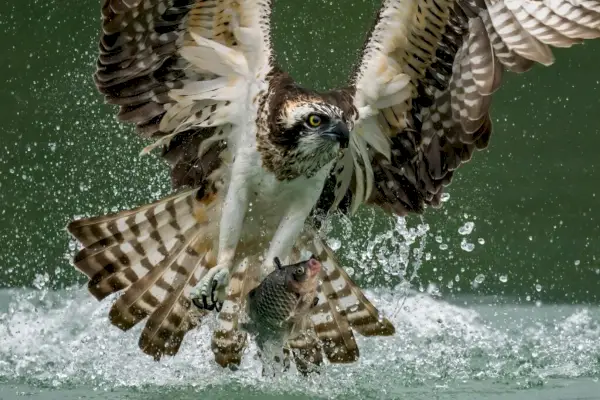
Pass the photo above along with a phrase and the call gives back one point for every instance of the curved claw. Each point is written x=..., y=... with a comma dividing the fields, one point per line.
x=217, y=281
x=203, y=305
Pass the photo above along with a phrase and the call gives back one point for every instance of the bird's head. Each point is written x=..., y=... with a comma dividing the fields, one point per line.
x=307, y=135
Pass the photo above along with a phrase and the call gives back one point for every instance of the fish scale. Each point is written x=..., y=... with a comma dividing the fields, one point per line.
x=272, y=303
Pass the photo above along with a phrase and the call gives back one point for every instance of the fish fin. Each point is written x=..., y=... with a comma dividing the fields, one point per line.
x=155, y=254
x=342, y=306
x=229, y=338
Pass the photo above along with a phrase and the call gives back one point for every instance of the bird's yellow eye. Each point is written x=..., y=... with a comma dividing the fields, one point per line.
x=314, y=120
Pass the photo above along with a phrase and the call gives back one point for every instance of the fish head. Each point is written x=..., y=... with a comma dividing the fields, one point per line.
x=302, y=277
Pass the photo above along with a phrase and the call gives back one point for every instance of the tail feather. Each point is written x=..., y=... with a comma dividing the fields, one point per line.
x=100, y=232
x=151, y=289
x=332, y=328
x=360, y=312
x=162, y=333
x=342, y=305
x=127, y=262
x=156, y=254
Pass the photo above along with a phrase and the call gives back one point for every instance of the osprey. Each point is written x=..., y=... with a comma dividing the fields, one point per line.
x=259, y=161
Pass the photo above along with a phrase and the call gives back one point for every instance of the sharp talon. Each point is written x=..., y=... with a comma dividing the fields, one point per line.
x=212, y=293
x=218, y=306
x=206, y=305
x=197, y=303
x=213, y=282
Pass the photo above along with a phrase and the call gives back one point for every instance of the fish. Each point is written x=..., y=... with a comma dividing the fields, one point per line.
x=278, y=310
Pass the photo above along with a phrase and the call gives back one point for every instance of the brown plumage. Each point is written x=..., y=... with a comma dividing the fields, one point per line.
x=198, y=78
x=455, y=53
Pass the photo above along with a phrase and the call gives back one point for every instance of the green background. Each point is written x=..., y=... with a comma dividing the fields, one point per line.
x=533, y=196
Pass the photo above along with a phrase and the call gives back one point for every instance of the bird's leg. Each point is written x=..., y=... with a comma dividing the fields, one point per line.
x=211, y=290
x=287, y=233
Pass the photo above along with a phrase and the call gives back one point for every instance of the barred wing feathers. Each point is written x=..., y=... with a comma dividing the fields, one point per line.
x=424, y=84
x=342, y=309
x=182, y=69
x=155, y=254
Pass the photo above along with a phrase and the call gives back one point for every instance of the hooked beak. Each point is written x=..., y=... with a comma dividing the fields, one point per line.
x=340, y=133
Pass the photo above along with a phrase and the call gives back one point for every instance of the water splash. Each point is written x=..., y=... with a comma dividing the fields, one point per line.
x=396, y=251
x=64, y=339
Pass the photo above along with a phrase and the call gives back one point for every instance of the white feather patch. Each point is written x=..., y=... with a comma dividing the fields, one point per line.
x=371, y=132
x=394, y=91
x=214, y=57
x=222, y=88
x=359, y=192
x=344, y=178
x=360, y=145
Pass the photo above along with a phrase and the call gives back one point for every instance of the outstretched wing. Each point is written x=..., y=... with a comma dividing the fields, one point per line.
x=424, y=84
x=180, y=70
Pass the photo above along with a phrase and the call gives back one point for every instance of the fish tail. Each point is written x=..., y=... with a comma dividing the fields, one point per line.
x=155, y=254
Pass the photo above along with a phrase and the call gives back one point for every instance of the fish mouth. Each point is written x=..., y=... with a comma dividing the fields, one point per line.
x=314, y=266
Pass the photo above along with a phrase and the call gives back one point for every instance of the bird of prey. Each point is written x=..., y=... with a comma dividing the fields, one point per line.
x=258, y=162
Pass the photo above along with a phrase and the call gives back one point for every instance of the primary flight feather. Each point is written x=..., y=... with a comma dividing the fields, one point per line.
x=256, y=159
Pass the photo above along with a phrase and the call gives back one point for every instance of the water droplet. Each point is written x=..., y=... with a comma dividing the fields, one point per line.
x=481, y=241
x=443, y=246
x=433, y=289
x=577, y=262
x=439, y=239
x=538, y=287
x=467, y=228
x=450, y=284
x=480, y=278
x=457, y=278
x=335, y=244
x=445, y=197
x=503, y=278
x=350, y=271
x=466, y=246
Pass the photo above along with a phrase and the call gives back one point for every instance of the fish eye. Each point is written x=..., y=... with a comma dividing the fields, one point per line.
x=314, y=120
x=299, y=271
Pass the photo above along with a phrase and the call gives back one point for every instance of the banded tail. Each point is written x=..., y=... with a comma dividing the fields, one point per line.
x=155, y=254
x=342, y=308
